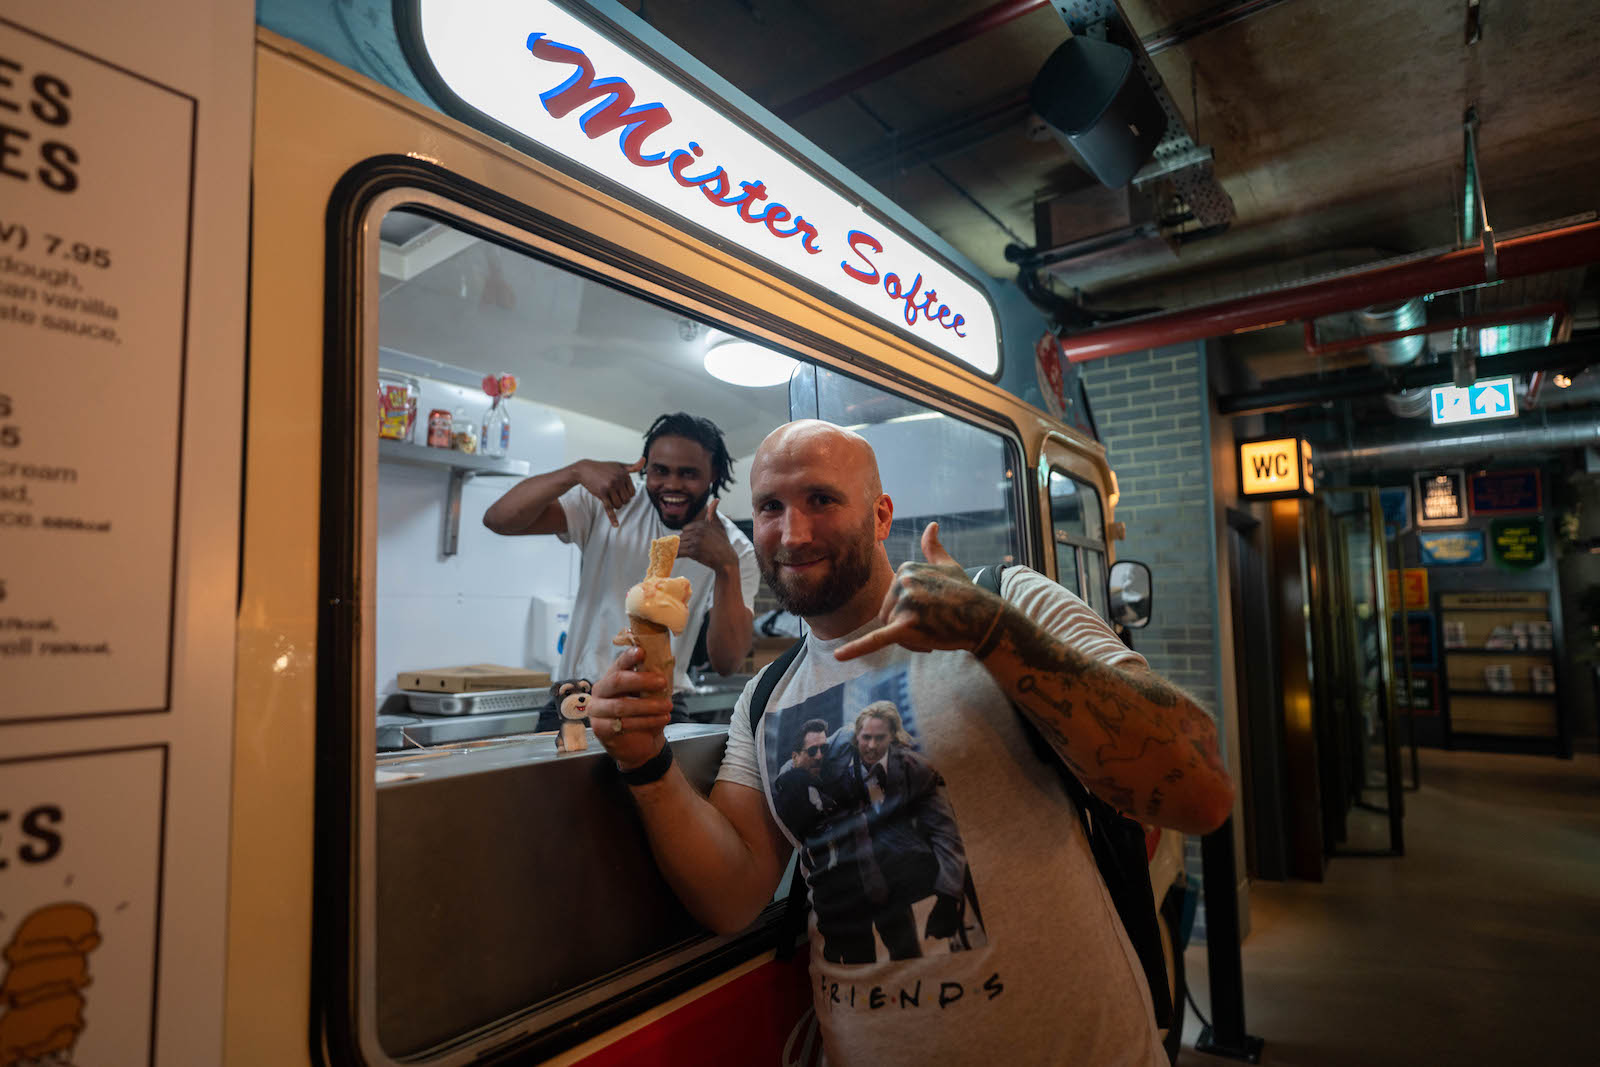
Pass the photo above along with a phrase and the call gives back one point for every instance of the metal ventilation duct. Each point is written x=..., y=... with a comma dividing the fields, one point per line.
x=1579, y=429
x=1396, y=317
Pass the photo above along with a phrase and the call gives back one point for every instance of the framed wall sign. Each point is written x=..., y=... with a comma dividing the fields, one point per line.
x=1441, y=498
x=1454, y=548
x=1424, y=696
x=1419, y=639
x=1410, y=584
x=1498, y=492
x=1396, y=504
x=1518, y=543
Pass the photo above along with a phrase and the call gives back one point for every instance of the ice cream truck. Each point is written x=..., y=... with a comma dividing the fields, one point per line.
x=289, y=294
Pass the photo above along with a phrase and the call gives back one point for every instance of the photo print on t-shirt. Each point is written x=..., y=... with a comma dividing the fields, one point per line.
x=872, y=817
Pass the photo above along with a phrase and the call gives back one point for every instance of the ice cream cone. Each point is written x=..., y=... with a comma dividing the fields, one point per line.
x=656, y=640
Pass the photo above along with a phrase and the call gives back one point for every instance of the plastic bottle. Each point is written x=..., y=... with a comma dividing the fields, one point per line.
x=497, y=429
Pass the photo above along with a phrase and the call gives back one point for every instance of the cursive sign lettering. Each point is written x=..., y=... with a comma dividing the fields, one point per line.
x=612, y=108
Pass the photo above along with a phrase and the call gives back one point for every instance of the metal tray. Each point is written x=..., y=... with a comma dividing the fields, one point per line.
x=484, y=702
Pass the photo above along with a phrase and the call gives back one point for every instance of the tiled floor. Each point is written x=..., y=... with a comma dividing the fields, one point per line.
x=1481, y=946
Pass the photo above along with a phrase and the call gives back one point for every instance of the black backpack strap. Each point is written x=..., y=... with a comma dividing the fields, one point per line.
x=1117, y=843
x=769, y=681
x=793, y=920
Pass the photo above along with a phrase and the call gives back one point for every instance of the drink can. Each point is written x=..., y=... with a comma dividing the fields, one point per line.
x=439, y=428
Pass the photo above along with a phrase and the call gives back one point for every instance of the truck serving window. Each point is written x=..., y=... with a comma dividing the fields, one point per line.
x=511, y=898
x=1077, y=529
x=935, y=467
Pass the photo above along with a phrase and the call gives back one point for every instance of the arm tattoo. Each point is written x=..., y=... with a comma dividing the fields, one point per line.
x=1138, y=736
x=1116, y=794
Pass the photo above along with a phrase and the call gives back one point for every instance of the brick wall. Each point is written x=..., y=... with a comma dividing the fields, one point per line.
x=1150, y=408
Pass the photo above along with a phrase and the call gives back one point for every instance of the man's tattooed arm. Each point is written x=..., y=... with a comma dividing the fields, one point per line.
x=1134, y=740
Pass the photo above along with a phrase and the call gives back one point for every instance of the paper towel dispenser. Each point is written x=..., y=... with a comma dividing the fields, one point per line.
x=548, y=622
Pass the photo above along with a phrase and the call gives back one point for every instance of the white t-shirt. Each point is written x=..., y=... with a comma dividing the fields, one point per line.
x=1039, y=970
x=614, y=561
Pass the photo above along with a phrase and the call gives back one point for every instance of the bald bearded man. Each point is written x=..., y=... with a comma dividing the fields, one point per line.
x=1039, y=968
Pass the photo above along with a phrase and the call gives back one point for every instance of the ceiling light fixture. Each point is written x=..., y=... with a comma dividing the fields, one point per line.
x=1562, y=381
x=748, y=364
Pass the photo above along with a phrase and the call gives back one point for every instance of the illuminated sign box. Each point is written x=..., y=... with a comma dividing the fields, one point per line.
x=1487, y=398
x=1441, y=498
x=537, y=76
x=1276, y=467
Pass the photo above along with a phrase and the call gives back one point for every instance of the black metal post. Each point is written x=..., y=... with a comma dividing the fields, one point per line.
x=1226, y=1035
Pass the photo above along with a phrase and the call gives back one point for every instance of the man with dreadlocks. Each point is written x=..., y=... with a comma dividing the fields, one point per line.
x=594, y=504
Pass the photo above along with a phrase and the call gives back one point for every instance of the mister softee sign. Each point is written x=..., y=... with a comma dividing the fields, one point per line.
x=533, y=67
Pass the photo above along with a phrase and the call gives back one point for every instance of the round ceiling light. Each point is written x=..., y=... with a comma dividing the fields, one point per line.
x=749, y=364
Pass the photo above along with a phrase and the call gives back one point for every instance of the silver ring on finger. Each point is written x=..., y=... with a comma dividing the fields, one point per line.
x=616, y=726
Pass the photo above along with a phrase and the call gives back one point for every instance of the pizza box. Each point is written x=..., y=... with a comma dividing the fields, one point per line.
x=472, y=678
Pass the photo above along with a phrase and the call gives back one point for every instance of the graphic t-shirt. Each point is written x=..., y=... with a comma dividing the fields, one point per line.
x=614, y=561
x=957, y=914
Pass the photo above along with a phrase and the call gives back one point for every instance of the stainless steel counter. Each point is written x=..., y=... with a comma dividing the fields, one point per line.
x=710, y=700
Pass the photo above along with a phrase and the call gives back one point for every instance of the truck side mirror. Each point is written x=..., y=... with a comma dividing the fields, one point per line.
x=1130, y=594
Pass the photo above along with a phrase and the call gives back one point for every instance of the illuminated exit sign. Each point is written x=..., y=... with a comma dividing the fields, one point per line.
x=1275, y=468
x=1486, y=398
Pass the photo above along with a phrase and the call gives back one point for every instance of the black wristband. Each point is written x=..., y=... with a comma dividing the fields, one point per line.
x=651, y=769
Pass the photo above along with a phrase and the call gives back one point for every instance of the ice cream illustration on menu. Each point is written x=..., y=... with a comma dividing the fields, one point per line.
x=42, y=995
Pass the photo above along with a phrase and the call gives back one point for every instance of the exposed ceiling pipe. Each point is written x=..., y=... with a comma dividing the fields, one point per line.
x=1350, y=384
x=1559, y=433
x=1474, y=227
x=1212, y=18
x=1223, y=14
x=1535, y=253
x=989, y=18
x=1403, y=349
x=1550, y=309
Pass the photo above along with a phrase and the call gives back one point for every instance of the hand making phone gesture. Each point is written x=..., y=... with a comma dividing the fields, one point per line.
x=931, y=605
x=611, y=482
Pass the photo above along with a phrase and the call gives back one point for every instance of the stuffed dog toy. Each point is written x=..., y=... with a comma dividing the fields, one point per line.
x=571, y=699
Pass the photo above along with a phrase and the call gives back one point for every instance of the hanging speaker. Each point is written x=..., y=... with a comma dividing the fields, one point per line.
x=1092, y=97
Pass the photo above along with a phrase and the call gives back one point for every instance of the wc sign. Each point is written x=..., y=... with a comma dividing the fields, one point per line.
x=1487, y=398
x=1278, y=467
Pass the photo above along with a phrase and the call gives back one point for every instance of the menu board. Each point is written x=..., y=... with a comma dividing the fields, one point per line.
x=125, y=148
x=94, y=261
x=80, y=897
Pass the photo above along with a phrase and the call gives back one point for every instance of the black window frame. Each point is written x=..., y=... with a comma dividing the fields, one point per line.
x=1081, y=543
x=340, y=788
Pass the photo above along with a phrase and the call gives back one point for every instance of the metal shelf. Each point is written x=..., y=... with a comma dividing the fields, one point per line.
x=461, y=465
x=449, y=458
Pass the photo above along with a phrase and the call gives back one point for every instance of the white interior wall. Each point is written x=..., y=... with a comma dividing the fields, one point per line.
x=477, y=606
x=736, y=499
x=933, y=467
x=927, y=469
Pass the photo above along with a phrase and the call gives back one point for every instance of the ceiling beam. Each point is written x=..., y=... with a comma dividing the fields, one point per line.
x=989, y=18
